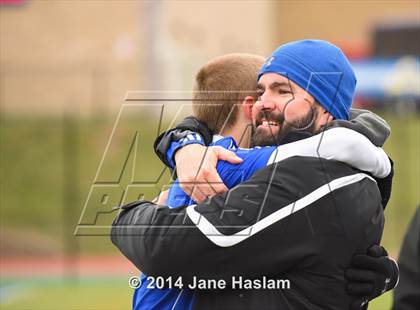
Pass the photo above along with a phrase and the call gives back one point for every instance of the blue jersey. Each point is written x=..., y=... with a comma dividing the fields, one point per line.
x=231, y=174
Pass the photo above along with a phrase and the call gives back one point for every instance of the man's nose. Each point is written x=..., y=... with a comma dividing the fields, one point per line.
x=265, y=104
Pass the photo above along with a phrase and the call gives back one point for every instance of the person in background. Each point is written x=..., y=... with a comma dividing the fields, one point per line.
x=407, y=292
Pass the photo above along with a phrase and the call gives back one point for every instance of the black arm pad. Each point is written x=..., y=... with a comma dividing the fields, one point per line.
x=187, y=125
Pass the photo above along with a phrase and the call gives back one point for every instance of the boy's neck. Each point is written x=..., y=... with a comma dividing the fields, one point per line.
x=241, y=135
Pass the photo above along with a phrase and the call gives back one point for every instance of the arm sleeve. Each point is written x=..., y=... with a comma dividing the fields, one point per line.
x=190, y=128
x=341, y=144
x=211, y=239
x=190, y=138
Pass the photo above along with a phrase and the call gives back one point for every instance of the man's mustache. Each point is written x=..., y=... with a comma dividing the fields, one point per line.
x=270, y=117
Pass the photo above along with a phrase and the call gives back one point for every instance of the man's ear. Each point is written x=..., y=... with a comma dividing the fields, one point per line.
x=324, y=118
x=247, y=105
x=330, y=118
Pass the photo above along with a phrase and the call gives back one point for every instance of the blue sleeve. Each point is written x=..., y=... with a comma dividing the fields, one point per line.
x=177, y=197
x=253, y=160
x=193, y=138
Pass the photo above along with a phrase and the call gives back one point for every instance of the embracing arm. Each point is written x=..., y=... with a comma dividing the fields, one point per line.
x=341, y=144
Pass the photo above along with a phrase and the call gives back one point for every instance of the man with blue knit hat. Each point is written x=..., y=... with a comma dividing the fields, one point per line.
x=299, y=218
x=321, y=69
x=309, y=83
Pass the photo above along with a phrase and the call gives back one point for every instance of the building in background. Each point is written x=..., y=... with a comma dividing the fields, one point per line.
x=82, y=56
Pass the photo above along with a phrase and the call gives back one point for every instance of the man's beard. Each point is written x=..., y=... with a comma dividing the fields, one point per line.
x=287, y=132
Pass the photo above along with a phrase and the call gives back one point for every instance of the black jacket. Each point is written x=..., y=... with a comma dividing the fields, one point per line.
x=301, y=219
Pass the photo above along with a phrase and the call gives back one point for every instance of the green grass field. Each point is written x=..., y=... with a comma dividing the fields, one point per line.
x=35, y=164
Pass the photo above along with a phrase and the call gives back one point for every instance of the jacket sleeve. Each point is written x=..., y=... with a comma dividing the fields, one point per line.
x=341, y=144
x=267, y=223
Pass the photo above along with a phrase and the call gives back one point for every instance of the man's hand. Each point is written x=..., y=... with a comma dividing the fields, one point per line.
x=371, y=275
x=196, y=169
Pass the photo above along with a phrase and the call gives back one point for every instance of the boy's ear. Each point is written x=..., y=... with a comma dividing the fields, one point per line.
x=247, y=105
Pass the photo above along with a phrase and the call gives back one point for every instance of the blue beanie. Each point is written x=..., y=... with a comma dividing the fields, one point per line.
x=320, y=68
